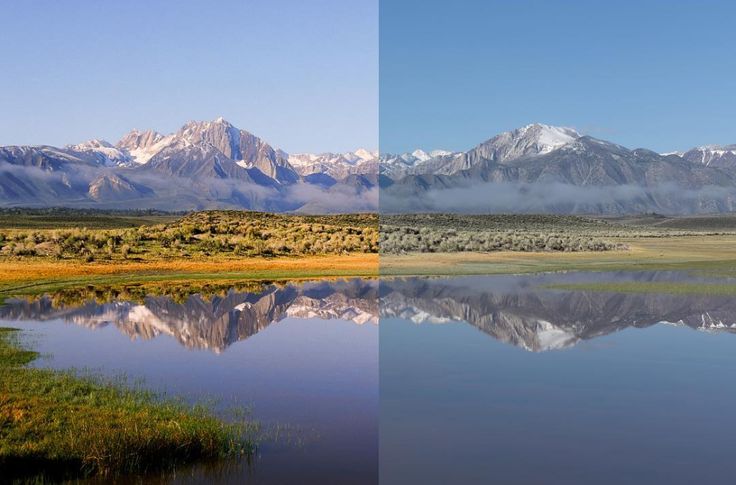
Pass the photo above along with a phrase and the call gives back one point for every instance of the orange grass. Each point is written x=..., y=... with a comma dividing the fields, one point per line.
x=30, y=270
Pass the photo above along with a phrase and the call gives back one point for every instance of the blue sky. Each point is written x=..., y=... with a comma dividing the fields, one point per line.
x=652, y=73
x=301, y=74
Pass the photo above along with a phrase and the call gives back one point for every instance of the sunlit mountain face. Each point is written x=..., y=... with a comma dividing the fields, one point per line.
x=206, y=321
x=205, y=164
x=526, y=312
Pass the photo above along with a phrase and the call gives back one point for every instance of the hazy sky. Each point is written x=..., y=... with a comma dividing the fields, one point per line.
x=656, y=74
x=301, y=74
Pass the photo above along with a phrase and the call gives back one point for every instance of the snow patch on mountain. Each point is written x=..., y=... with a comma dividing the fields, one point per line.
x=551, y=337
x=550, y=138
x=723, y=156
x=415, y=162
x=336, y=165
x=103, y=153
x=141, y=146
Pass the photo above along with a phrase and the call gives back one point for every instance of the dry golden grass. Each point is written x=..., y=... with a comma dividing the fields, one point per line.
x=18, y=274
x=30, y=270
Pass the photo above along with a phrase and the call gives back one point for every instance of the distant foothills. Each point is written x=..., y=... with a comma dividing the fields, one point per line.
x=212, y=164
x=204, y=165
x=541, y=168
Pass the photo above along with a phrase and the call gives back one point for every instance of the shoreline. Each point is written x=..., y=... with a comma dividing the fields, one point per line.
x=33, y=276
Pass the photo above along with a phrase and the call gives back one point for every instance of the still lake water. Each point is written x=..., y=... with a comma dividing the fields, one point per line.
x=495, y=379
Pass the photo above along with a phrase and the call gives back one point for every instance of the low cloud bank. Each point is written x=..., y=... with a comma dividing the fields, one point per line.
x=33, y=186
x=560, y=198
x=337, y=199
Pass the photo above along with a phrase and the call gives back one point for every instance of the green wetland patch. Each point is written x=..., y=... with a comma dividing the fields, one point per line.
x=60, y=424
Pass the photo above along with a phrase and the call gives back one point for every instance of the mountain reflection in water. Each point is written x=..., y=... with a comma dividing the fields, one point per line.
x=521, y=311
x=211, y=322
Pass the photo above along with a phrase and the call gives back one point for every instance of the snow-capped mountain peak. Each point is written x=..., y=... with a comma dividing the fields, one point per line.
x=142, y=145
x=529, y=140
x=420, y=155
x=549, y=137
x=336, y=165
x=364, y=154
x=90, y=144
x=439, y=153
x=721, y=156
x=414, y=162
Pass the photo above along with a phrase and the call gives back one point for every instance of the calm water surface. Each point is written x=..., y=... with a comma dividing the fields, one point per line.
x=496, y=380
x=302, y=357
x=482, y=379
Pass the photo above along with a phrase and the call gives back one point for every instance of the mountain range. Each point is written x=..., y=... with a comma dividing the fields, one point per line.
x=213, y=164
x=542, y=168
x=205, y=164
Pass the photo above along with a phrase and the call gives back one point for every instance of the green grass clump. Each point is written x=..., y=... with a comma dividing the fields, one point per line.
x=57, y=425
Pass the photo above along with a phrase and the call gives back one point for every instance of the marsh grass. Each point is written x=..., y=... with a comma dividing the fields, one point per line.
x=56, y=425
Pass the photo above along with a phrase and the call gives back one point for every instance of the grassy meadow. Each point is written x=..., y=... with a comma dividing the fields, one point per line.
x=222, y=234
x=58, y=218
x=699, y=243
x=39, y=253
x=48, y=249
